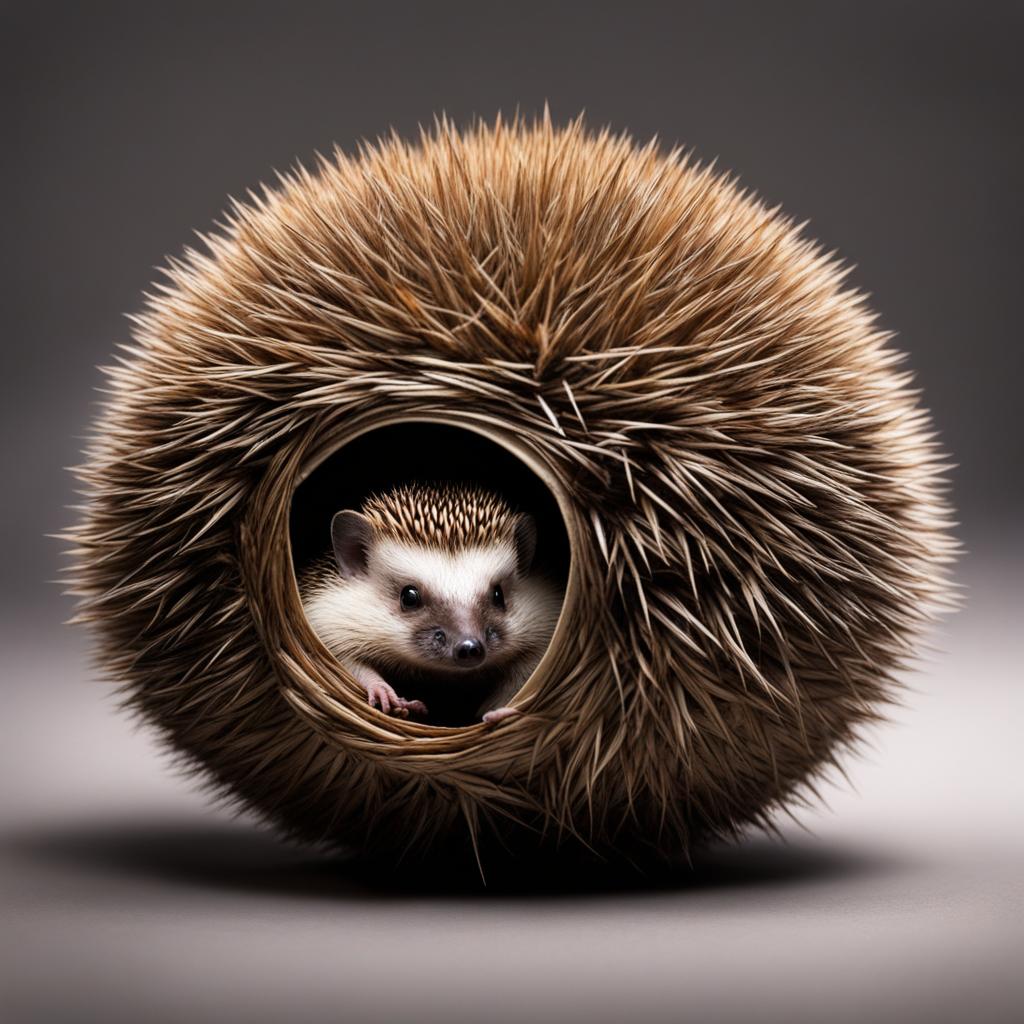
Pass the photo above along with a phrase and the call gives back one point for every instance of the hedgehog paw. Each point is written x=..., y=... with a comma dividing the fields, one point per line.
x=412, y=707
x=499, y=715
x=381, y=695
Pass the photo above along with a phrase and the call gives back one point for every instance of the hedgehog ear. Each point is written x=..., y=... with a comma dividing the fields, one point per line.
x=351, y=534
x=526, y=542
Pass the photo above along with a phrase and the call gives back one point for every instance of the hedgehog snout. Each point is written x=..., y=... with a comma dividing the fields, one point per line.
x=469, y=651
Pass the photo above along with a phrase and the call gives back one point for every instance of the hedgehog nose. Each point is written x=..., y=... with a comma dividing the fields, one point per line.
x=469, y=651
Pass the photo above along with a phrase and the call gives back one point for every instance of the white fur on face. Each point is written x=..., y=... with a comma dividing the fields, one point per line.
x=361, y=617
x=459, y=580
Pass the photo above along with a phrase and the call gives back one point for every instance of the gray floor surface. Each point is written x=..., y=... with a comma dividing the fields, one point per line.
x=129, y=898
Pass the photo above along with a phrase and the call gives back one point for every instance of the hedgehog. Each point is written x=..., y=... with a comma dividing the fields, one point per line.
x=430, y=587
x=754, y=497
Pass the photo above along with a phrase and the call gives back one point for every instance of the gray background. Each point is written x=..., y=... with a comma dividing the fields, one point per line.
x=895, y=129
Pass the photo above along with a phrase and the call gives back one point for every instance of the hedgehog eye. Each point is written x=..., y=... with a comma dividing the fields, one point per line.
x=410, y=599
x=498, y=597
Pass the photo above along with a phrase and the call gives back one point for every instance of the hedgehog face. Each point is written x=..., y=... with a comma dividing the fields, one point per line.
x=447, y=611
x=416, y=606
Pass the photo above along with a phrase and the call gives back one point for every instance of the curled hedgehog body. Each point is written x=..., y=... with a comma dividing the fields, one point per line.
x=752, y=494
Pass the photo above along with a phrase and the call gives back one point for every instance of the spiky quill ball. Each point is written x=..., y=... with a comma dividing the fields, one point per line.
x=753, y=494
